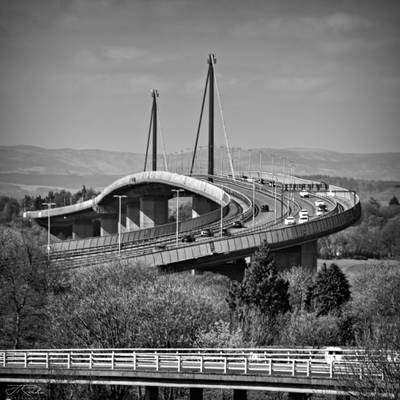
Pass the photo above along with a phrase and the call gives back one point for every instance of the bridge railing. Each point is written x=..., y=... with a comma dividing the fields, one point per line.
x=291, y=362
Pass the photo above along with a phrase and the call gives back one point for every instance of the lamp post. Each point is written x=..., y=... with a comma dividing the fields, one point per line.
x=274, y=180
x=177, y=191
x=119, y=196
x=48, y=226
x=254, y=198
x=222, y=206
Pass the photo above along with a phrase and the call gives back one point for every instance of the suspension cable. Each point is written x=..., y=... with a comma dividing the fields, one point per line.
x=162, y=138
x=148, y=138
x=199, y=125
x=224, y=128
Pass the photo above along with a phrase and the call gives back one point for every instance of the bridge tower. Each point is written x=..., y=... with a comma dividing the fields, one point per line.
x=211, y=61
x=153, y=124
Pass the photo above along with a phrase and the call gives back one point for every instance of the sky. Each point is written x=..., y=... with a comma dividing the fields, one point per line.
x=290, y=73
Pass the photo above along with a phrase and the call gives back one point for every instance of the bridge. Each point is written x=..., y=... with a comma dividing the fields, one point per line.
x=238, y=210
x=293, y=370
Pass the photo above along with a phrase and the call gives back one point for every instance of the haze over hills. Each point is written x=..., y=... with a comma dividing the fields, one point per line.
x=29, y=169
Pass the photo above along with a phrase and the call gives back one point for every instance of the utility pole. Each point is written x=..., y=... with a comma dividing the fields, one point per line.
x=48, y=226
x=119, y=196
x=177, y=191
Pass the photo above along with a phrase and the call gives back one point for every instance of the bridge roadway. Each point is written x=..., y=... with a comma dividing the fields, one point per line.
x=344, y=209
x=296, y=370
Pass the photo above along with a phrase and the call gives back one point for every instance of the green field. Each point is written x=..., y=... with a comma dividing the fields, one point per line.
x=352, y=268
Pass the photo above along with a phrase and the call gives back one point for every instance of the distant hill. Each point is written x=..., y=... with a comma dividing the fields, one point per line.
x=29, y=169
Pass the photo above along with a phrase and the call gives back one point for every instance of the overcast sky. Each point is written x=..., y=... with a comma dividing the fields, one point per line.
x=300, y=73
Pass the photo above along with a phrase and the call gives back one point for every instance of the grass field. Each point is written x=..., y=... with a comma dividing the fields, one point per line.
x=352, y=268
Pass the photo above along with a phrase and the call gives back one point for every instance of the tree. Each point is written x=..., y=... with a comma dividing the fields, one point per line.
x=262, y=288
x=330, y=291
x=394, y=201
x=259, y=302
x=24, y=282
x=300, y=280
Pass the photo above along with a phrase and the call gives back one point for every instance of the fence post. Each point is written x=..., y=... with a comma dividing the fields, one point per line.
x=201, y=364
x=225, y=365
x=179, y=363
x=308, y=367
x=4, y=358
x=47, y=360
x=68, y=360
x=293, y=367
x=361, y=371
x=331, y=369
x=25, y=360
x=157, y=359
x=112, y=360
x=246, y=365
x=134, y=361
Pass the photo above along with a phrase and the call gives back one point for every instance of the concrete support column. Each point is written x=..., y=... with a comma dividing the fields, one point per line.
x=239, y=394
x=201, y=205
x=151, y=393
x=287, y=258
x=132, y=215
x=108, y=224
x=82, y=228
x=297, y=396
x=309, y=256
x=153, y=211
x=196, y=394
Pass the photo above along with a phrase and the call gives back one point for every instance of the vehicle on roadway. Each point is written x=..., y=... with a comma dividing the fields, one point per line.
x=304, y=193
x=321, y=209
x=159, y=247
x=206, y=233
x=303, y=213
x=237, y=224
x=188, y=238
x=303, y=219
x=265, y=208
x=289, y=220
x=225, y=232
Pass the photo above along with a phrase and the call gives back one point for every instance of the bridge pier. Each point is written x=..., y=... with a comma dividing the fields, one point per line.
x=132, y=215
x=153, y=211
x=82, y=228
x=108, y=224
x=239, y=394
x=298, y=396
x=151, y=393
x=196, y=394
x=202, y=205
x=304, y=255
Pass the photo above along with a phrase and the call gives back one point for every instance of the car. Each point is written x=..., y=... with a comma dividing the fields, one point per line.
x=206, y=233
x=304, y=193
x=265, y=208
x=237, y=224
x=319, y=203
x=303, y=213
x=188, y=238
x=289, y=220
x=159, y=247
x=303, y=219
x=225, y=232
x=333, y=354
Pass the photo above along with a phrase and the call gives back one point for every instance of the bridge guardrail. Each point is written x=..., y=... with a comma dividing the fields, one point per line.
x=271, y=362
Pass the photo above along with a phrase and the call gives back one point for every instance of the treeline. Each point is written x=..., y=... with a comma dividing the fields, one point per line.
x=126, y=306
x=358, y=185
x=11, y=208
x=377, y=235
